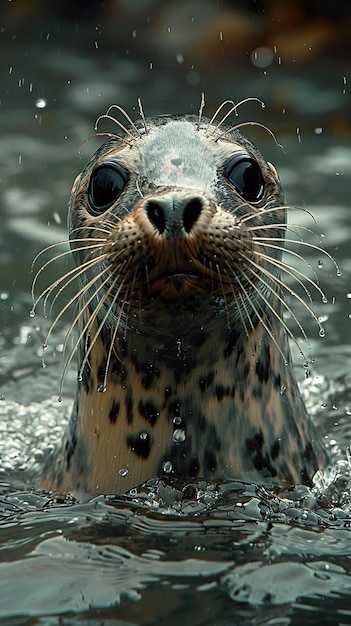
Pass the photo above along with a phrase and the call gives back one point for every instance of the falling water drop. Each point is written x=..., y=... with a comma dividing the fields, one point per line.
x=167, y=467
x=179, y=435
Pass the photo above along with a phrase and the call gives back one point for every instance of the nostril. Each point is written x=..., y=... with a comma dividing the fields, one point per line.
x=156, y=215
x=191, y=213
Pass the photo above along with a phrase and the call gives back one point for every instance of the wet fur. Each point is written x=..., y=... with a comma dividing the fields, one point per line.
x=190, y=377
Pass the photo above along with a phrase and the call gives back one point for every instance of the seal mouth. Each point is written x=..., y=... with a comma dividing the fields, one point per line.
x=179, y=282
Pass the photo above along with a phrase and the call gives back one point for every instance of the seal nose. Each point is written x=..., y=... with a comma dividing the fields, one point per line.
x=171, y=212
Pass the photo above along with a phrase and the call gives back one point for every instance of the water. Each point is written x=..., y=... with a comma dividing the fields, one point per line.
x=218, y=553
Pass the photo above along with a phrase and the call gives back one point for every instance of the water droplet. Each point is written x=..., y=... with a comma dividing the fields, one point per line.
x=143, y=436
x=177, y=420
x=79, y=378
x=282, y=390
x=32, y=313
x=348, y=455
x=338, y=272
x=43, y=364
x=307, y=374
x=123, y=471
x=305, y=365
x=45, y=346
x=320, y=264
x=179, y=435
x=167, y=467
x=321, y=332
x=59, y=399
x=40, y=103
x=324, y=299
x=101, y=389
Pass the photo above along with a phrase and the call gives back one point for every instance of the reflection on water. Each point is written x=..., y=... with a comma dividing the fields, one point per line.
x=227, y=545
x=220, y=553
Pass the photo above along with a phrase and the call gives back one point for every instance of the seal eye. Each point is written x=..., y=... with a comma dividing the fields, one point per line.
x=246, y=177
x=106, y=184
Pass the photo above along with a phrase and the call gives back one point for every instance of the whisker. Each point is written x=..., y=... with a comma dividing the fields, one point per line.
x=272, y=209
x=201, y=110
x=65, y=242
x=286, y=287
x=262, y=316
x=87, y=326
x=142, y=115
x=259, y=125
x=112, y=347
x=242, y=316
x=233, y=108
x=121, y=140
x=101, y=325
x=128, y=118
x=81, y=270
x=75, y=298
x=258, y=275
x=283, y=265
x=76, y=271
x=219, y=274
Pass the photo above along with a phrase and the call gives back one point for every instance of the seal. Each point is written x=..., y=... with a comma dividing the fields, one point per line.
x=177, y=228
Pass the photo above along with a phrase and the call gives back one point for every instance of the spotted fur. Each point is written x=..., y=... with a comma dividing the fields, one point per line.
x=184, y=361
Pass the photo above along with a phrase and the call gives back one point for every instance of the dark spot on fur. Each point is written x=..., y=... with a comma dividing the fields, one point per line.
x=255, y=443
x=263, y=365
x=257, y=391
x=260, y=460
x=275, y=449
x=201, y=422
x=210, y=460
x=309, y=454
x=87, y=380
x=277, y=381
x=129, y=407
x=194, y=466
x=140, y=444
x=148, y=370
x=114, y=411
x=206, y=381
x=222, y=392
x=232, y=343
x=70, y=447
x=148, y=411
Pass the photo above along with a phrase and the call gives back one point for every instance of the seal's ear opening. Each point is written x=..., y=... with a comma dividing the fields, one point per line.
x=272, y=168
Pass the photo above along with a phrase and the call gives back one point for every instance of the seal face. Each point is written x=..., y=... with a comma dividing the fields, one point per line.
x=177, y=232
